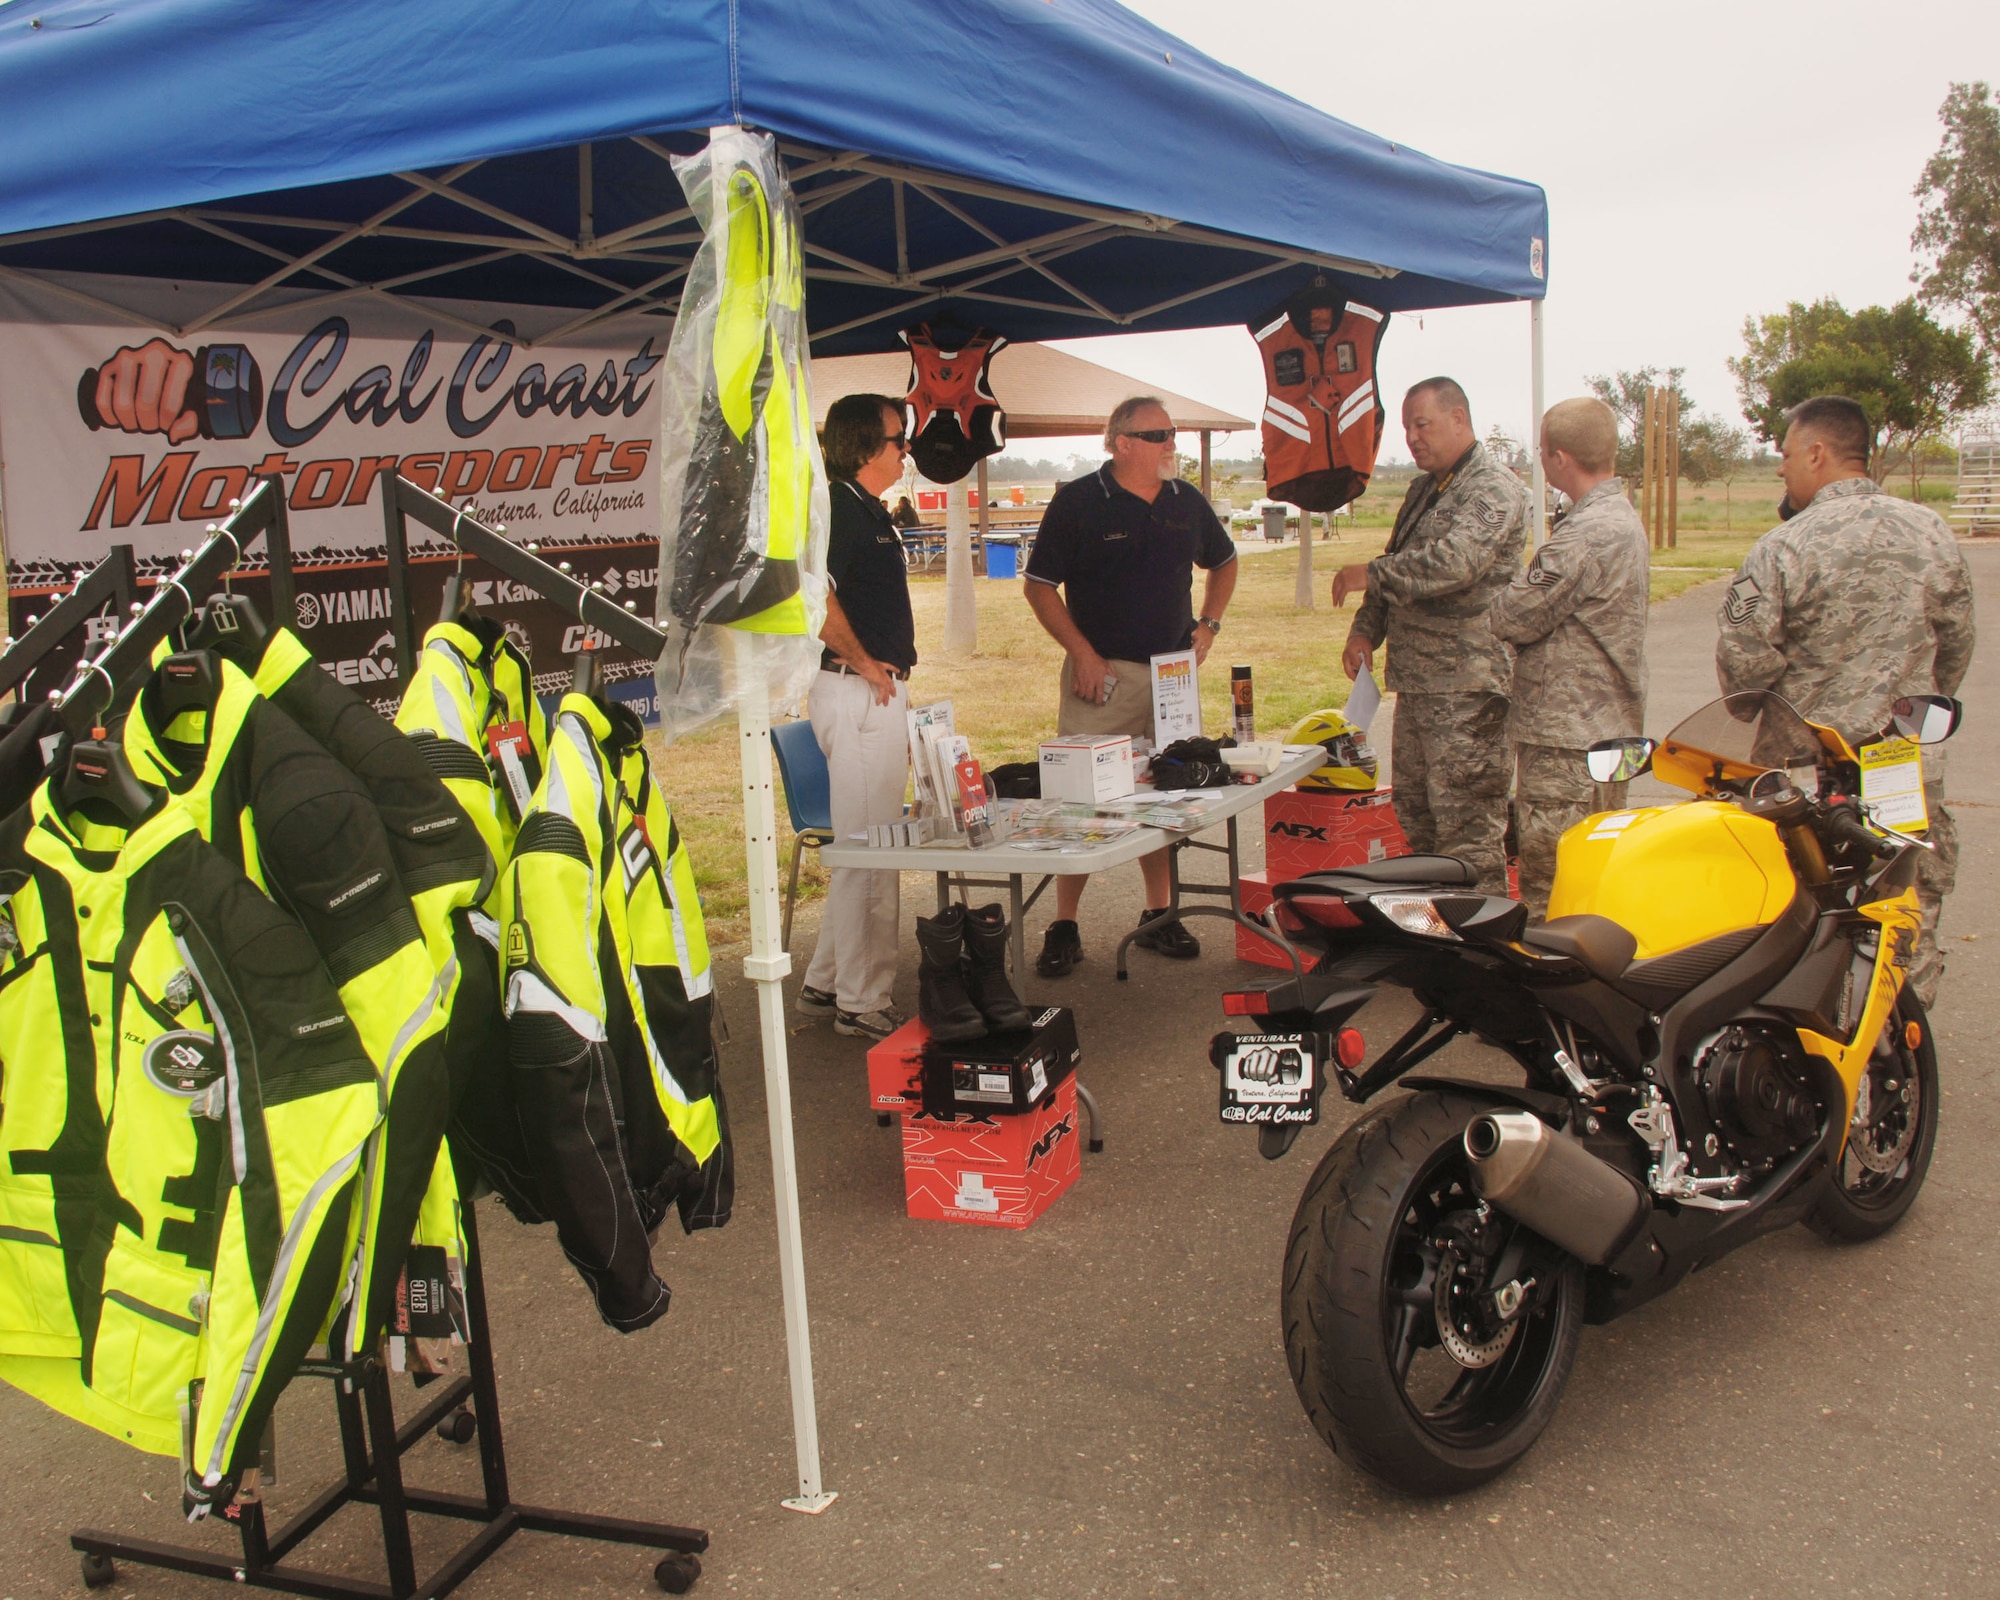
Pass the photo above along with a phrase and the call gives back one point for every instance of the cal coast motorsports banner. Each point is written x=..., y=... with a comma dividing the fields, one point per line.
x=122, y=435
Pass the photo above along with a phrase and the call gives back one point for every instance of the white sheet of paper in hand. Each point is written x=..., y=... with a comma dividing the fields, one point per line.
x=1363, y=700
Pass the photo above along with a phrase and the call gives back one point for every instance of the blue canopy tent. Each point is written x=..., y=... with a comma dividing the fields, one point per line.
x=1050, y=168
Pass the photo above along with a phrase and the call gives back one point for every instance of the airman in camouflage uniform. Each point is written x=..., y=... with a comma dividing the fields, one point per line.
x=1857, y=600
x=1577, y=621
x=1456, y=545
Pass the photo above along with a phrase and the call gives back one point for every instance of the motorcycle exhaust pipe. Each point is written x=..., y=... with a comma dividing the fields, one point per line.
x=1553, y=1185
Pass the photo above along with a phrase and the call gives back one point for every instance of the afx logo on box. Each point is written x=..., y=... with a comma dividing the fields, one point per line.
x=1299, y=830
x=1063, y=1128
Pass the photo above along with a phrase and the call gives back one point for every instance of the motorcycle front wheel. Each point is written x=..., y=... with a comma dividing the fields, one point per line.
x=1395, y=1349
x=1892, y=1134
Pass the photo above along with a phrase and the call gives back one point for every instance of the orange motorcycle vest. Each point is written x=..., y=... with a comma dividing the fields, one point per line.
x=1322, y=416
x=951, y=413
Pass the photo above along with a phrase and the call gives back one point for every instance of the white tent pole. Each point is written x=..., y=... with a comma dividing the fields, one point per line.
x=767, y=967
x=1303, y=598
x=1541, y=488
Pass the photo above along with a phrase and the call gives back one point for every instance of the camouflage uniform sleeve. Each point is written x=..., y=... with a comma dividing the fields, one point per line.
x=1371, y=620
x=1536, y=603
x=1477, y=529
x=1951, y=621
x=1752, y=624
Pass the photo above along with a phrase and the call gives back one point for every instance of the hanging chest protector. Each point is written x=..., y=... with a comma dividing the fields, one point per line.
x=953, y=418
x=1322, y=415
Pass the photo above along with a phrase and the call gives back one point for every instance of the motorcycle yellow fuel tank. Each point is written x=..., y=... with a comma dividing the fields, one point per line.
x=1673, y=875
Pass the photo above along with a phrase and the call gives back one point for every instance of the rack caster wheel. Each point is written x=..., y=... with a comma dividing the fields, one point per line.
x=458, y=1428
x=1097, y=1147
x=883, y=1119
x=98, y=1571
x=676, y=1573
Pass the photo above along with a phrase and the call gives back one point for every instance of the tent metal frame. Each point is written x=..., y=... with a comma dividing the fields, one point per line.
x=819, y=178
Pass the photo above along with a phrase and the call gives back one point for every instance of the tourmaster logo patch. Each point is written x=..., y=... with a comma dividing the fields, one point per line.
x=353, y=890
x=1743, y=599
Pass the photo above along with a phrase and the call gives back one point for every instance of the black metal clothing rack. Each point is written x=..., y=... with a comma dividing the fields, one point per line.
x=373, y=1444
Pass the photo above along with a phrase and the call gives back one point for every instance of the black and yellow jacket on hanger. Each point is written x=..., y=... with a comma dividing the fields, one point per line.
x=608, y=997
x=187, y=1106
x=471, y=682
x=304, y=829
x=444, y=868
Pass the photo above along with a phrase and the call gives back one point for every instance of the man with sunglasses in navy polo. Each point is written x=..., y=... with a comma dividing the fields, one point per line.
x=1111, y=578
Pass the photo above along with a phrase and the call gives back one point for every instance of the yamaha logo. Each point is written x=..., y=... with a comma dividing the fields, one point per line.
x=308, y=610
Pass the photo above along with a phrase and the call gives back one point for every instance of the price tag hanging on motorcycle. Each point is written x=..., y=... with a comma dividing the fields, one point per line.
x=1269, y=1078
x=1892, y=785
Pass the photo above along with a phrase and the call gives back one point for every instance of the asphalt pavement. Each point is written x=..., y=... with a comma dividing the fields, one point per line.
x=1099, y=1406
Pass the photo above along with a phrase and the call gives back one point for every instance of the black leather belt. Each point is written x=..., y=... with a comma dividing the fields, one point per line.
x=900, y=674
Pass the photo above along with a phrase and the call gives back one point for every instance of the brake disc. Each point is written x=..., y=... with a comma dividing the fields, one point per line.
x=1888, y=1117
x=1459, y=1319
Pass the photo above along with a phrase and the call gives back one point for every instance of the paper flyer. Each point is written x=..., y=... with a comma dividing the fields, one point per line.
x=1363, y=700
x=1176, y=698
x=1892, y=786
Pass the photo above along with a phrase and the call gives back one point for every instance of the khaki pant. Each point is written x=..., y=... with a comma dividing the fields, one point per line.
x=1553, y=792
x=1129, y=710
x=1452, y=765
x=1937, y=876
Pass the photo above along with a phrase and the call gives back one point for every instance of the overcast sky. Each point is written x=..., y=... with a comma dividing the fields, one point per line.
x=1703, y=161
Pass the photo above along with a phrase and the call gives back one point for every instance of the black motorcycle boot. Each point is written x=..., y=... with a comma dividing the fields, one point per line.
x=946, y=1009
x=986, y=971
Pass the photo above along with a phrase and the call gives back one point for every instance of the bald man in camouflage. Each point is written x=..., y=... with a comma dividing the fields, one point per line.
x=1857, y=599
x=1456, y=544
x=1577, y=621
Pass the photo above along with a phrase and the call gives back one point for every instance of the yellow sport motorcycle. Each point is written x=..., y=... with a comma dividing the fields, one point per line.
x=1714, y=1041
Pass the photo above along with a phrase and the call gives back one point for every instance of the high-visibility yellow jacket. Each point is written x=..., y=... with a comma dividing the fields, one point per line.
x=443, y=866
x=608, y=996
x=187, y=1106
x=471, y=679
x=306, y=831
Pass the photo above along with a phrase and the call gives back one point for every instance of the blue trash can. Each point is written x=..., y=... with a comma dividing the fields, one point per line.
x=1003, y=557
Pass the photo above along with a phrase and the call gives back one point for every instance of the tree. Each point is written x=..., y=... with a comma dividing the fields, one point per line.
x=1504, y=448
x=1715, y=451
x=1958, y=222
x=1625, y=393
x=1914, y=377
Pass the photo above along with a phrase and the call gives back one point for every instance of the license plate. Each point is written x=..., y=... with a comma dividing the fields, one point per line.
x=1270, y=1078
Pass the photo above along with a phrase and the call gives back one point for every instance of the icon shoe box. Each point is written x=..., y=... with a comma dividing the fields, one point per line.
x=995, y=1170
x=895, y=1070
x=1004, y=1073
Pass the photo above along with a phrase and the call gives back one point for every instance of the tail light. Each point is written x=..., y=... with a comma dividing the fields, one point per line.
x=1349, y=1048
x=1247, y=1003
x=1320, y=910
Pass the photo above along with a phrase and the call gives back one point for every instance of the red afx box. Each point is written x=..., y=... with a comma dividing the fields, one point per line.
x=997, y=1171
x=1312, y=830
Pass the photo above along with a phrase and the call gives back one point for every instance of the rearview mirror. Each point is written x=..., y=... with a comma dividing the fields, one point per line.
x=1926, y=718
x=1618, y=760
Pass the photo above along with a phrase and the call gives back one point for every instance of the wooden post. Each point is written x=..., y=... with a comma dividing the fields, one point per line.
x=1646, y=477
x=1673, y=463
x=1205, y=436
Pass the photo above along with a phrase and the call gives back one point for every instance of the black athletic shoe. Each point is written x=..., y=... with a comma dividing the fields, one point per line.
x=1062, y=949
x=815, y=1004
x=1169, y=939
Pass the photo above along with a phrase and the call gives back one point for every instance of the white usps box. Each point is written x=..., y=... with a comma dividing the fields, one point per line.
x=1088, y=767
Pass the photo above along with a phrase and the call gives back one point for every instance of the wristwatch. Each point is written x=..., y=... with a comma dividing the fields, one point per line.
x=1213, y=624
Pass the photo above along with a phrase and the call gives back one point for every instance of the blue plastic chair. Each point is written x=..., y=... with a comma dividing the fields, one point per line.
x=808, y=796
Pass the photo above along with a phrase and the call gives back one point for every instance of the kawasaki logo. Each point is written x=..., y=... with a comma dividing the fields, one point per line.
x=1048, y=1141
x=1299, y=830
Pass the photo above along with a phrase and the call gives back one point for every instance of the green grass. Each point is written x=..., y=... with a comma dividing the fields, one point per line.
x=1004, y=694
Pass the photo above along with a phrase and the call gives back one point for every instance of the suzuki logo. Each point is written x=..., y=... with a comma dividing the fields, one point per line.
x=1299, y=830
x=1048, y=1141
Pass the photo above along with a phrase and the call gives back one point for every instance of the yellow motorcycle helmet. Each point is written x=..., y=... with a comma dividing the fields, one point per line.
x=1350, y=760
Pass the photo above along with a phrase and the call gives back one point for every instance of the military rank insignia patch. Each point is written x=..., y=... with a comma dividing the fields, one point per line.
x=1743, y=599
x=1543, y=577
x=1488, y=513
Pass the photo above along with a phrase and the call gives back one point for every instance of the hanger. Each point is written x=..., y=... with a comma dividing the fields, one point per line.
x=457, y=604
x=188, y=680
x=587, y=675
x=232, y=626
x=98, y=779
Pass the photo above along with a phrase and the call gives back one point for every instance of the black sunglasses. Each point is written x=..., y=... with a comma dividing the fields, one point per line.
x=1151, y=435
x=900, y=440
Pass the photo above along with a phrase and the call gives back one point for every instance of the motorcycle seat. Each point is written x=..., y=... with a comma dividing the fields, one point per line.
x=1398, y=872
x=1597, y=944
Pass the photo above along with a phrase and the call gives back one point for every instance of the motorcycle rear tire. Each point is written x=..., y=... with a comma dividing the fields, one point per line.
x=1348, y=1242
x=1851, y=1213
